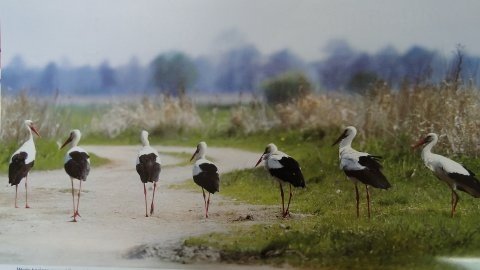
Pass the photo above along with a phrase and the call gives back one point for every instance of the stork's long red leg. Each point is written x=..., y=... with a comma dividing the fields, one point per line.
x=204, y=201
x=153, y=197
x=368, y=200
x=26, y=192
x=16, y=192
x=78, y=199
x=457, y=198
x=145, y=194
x=357, y=197
x=287, y=213
x=73, y=200
x=451, y=205
x=283, y=200
x=454, y=201
x=208, y=204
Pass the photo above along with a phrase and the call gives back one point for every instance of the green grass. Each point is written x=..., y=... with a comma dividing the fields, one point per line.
x=79, y=116
x=410, y=223
x=48, y=156
x=184, y=157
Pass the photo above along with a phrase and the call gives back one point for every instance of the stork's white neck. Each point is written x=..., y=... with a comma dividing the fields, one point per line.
x=427, y=149
x=30, y=135
x=144, y=139
x=201, y=153
x=347, y=141
x=271, y=149
x=202, y=149
x=75, y=142
x=76, y=138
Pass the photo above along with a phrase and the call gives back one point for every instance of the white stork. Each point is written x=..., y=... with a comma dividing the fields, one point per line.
x=205, y=174
x=455, y=175
x=285, y=169
x=22, y=161
x=148, y=167
x=77, y=166
x=360, y=166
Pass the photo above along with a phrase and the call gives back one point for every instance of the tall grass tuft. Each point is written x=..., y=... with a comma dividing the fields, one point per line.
x=251, y=118
x=47, y=119
x=162, y=114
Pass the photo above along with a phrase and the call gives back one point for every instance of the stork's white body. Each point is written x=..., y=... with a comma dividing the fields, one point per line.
x=196, y=170
x=285, y=170
x=455, y=175
x=68, y=157
x=22, y=161
x=273, y=160
x=441, y=166
x=77, y=166
x=145, y=150
x=360, y=167
x=148, y=167
x=29, y=148
x=349, y=159
x=205, y=174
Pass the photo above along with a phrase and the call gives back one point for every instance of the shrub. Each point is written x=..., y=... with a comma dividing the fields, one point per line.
x=361, y=81
x=286, y=88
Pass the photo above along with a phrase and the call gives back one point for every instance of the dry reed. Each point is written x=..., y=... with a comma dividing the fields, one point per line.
x=18, y=108
x=160, y=113
x=412, y=111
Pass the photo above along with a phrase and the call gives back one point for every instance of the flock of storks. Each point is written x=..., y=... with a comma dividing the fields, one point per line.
x=360, y=167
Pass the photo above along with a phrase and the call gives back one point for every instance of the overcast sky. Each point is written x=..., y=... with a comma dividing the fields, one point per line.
x=91, y=31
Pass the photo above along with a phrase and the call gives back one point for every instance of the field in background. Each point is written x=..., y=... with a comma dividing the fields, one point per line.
x=395, y=116
x=410, y=224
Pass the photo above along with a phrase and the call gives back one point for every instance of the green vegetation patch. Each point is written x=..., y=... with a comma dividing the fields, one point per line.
x=340, y=243
x=410, y=223
x=48, y=157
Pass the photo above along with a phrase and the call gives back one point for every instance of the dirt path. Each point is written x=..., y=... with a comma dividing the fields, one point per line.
x=112, y=212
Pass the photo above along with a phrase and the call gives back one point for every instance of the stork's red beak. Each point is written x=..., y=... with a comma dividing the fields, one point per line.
x=194, y=155
x=34, y=130
x=67, y=141
x=419, y=143
x=343, y=136
x=258, y=162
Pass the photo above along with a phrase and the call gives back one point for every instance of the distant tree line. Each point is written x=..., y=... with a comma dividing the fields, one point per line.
x=244, y=68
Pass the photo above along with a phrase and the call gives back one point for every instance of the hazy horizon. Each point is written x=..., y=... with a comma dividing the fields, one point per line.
x=90, y=32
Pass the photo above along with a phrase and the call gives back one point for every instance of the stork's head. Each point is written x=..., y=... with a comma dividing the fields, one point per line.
x=30, y=126
x=347, y=136
x=270, y=149
x=74, y=138
x=430, y=138
x=200, y=152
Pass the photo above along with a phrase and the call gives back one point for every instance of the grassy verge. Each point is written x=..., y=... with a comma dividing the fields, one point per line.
x=48, y=156
x=410, y=224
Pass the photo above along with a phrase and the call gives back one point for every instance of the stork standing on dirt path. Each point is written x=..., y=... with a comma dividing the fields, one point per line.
x=285, y=169
x=22, y=162
x=148, y=167
x=77, y=166
x=205, y=174
x=455, y=175
x=359, y=166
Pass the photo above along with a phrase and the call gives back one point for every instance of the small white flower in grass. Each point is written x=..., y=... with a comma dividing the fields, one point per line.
x=338, y=191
